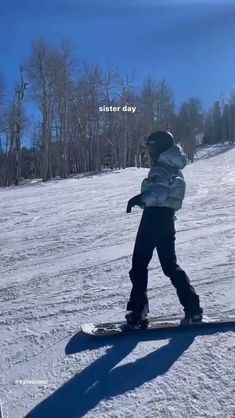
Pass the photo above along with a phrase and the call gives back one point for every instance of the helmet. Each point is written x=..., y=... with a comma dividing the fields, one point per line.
x=161, y=141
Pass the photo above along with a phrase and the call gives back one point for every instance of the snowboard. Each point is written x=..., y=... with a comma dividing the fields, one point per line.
x=120, y=328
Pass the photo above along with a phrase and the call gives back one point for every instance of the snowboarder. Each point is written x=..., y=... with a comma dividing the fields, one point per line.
x=162, y=193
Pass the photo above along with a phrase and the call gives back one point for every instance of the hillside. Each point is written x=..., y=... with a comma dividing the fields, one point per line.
x=65, y=253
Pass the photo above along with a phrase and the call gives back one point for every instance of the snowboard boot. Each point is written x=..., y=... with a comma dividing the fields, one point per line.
x=192, y=317
x=137, y=320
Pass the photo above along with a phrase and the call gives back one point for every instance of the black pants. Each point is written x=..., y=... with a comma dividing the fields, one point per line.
x=157, y=230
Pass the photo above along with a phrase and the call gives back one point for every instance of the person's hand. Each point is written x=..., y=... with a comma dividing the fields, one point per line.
x=134, y=201
x=129, y=206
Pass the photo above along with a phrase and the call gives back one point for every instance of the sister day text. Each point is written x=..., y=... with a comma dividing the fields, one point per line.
x=130, y=109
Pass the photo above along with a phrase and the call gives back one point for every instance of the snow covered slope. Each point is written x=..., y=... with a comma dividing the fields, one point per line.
x=65, y=253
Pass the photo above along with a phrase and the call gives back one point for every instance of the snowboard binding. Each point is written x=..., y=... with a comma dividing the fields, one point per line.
x=137, y=321
x=191, y=318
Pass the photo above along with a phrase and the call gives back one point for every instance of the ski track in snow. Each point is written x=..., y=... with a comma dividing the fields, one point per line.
x=65, y=251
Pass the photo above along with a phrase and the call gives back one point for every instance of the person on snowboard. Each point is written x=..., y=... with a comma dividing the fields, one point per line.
x=162, y=193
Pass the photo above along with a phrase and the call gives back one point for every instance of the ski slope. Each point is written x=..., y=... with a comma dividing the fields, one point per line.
x=65, y=253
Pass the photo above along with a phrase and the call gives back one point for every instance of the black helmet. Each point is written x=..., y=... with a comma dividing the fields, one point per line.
x=161, y=140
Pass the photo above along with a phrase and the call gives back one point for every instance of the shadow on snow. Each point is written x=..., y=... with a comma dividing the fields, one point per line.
x=102, y=380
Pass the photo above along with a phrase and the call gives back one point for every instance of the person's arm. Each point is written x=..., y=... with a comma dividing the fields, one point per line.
x=155, y=188
x=134, y=201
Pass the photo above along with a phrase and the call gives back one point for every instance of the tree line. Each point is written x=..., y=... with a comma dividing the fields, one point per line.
x=70, y=134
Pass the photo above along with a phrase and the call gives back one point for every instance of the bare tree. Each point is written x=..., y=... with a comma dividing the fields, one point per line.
x=231, y=122
x=18, y=123
x=65, y=68
x=190, y=124
x=164, y=113
x=126, y=97
x=13, y=122
x=3, y=101
x=41, y=70
x=110, y=83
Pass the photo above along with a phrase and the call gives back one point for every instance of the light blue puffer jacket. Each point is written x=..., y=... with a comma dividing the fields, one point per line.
x=165, y=185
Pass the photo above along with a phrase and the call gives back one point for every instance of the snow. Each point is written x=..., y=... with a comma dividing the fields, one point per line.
x=65, y=250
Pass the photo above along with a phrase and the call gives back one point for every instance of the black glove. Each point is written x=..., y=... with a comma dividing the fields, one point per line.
x=135, y=201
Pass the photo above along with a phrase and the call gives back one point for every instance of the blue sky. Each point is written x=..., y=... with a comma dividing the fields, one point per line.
x=189, y=43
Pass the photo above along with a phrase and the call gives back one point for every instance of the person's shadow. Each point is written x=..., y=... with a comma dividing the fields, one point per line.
x=101, y=381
